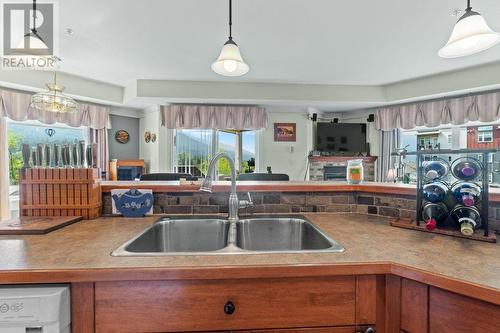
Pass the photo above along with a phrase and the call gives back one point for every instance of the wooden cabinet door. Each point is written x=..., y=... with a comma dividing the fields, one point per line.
x=366, y=300
x=453, y=313
x=174, y=306
x=414, y=306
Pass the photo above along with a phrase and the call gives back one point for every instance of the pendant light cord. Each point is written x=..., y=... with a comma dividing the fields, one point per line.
x=230, y=19
x=468, y=6
x=34, y=16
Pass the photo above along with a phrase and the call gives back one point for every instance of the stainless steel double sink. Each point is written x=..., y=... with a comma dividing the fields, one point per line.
x=201, y=236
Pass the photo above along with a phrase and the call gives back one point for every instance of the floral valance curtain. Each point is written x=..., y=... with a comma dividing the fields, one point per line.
x=16, y=106
x=456, y=111
x=191, y=116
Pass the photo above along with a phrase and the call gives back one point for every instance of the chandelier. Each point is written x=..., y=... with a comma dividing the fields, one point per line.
x=53, y=100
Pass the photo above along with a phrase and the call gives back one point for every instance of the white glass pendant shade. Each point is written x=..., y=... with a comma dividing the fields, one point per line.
x=230, y=62
x=470, y=35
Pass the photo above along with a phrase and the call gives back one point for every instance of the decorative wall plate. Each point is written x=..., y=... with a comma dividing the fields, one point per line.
x=153, y=137
x=147, y=136
x=122, y=136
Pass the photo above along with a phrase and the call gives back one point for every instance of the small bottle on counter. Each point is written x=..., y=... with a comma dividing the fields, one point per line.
x=355, y=171
x=434, y=215
x=467, y=218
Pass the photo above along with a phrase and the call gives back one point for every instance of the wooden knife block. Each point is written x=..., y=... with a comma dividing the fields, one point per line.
x=60, y=192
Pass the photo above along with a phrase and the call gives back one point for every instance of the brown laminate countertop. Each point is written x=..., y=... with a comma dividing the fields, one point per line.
x=81, y=252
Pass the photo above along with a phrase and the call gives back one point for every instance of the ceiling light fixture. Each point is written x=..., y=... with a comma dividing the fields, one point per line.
x=230, y=62
x=53, y=100
x=32, y=40
x=470, y=35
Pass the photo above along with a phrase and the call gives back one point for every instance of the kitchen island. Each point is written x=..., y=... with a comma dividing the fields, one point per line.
x=386, y=263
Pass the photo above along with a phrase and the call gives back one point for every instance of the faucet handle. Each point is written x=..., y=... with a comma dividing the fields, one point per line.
x=246, y=203
x=250, y=201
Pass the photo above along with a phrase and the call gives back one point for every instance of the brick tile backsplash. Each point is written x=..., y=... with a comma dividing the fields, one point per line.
x=293, y=202
x=364, y=200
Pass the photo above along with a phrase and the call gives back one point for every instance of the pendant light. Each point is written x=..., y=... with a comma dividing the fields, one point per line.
x=230, y=62
x=37, y=45
x=53, y=100
x=470, y=35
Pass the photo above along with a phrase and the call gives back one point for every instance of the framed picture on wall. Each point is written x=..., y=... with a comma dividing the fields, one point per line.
x=285, y=132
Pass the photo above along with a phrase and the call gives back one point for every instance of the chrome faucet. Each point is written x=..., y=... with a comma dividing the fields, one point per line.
x=234, y=203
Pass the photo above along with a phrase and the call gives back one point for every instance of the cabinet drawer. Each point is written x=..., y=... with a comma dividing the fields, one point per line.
x=166, y=306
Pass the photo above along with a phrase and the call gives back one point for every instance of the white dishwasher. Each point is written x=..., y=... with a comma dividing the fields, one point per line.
x=35, y=309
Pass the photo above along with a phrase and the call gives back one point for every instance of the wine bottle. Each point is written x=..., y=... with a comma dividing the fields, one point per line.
x=435, y=192
x=434, y=170
x=466, y=168
x=434, y=214
x=467, y=218
x=466, y=193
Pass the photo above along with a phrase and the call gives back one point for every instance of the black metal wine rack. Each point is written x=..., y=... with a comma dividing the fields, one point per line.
x=421, y=180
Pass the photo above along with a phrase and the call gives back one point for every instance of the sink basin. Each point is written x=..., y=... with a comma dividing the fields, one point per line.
x=178, y=236
x=284, y=235
x=205, y=236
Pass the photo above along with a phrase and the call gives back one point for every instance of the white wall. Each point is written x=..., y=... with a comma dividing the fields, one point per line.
x=283, y=157
x=286, y=157
x=150, y=152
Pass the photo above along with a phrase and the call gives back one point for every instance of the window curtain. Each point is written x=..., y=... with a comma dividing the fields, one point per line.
x=100, y=138
x=16, y=106
x=456, y=111
x=388, y=143
x=4, y=171
x=198, y=116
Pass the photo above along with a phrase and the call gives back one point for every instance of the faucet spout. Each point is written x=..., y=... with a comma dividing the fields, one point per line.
x=206, y=186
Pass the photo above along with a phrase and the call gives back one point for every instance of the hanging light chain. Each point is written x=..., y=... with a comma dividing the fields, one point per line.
x=230, y=19
x=469, y=8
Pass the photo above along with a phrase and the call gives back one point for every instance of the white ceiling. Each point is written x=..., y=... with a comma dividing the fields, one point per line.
x=352, y=42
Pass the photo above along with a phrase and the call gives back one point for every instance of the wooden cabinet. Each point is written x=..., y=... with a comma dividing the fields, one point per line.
x=170, y=306
x=426, y=309
x=449, y=312
x=329, y=304
x=307, y=330
x=414, y=306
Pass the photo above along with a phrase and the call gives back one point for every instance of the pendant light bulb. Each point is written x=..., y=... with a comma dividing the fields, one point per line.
x=230, y=62
x=470, y=35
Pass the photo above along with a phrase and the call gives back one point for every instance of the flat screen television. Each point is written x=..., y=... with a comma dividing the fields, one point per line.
x=341, y=137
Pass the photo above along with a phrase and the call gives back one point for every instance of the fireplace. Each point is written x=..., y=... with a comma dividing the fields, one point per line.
x=334, y=172
x=333, y=168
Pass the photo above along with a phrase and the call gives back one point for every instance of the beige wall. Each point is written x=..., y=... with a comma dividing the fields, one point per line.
x=286, y=157
x=150, y=152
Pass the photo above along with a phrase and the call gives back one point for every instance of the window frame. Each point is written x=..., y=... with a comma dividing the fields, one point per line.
x=481, y=136
x=215, y=146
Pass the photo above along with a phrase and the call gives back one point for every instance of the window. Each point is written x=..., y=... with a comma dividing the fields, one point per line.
x=193, y=150
x=248, y=155
x=485, y=134
x=227, y=141
x=33, y=133
x=468, y=136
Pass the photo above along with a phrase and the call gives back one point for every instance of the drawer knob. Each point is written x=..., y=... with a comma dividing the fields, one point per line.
x=229, y=308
